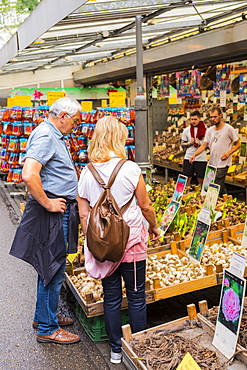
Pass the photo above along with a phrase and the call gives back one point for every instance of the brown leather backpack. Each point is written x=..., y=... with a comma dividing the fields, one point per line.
x=107, y=232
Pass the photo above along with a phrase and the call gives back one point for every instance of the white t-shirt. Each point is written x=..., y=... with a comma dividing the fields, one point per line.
x=122, y=188
x=186, y=136
x=220, y=142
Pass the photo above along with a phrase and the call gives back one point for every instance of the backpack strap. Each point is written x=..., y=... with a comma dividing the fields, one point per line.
x=115, y=172
x=95, y=174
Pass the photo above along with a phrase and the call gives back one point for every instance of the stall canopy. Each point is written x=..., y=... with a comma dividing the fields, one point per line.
x=61, y=33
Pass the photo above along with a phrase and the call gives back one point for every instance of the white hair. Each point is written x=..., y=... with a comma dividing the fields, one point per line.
x=68, y=105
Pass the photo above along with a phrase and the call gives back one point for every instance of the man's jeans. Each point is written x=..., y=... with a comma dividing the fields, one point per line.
x=220, y=179
x=48, y=296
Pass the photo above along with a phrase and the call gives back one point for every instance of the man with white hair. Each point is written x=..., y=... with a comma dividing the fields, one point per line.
x=49, y=226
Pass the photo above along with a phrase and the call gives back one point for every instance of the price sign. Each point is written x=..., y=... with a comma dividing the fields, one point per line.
x=22, y=100
x=72, y=256
x=103, y=103
x=117, y=99
x=52, y=96
x=171, y=156
x=173, y=99
x=222, y=98
x=232, y=169
x=188, y=363
x=87, y=105
x=10, y=102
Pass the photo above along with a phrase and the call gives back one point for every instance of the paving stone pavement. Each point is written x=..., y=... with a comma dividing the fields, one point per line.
x=19, y=349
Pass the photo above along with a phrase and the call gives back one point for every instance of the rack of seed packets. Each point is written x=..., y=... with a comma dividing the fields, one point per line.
x=173, y=207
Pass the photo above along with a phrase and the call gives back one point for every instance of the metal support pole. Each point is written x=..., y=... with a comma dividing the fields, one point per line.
x=141, y=132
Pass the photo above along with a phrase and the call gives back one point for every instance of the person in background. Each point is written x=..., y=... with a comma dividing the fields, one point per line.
x=106, y=150
x=191, y=139
x=222, y=142
x=49, y=226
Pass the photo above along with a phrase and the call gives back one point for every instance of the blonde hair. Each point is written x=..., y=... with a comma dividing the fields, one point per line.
x=109, y=135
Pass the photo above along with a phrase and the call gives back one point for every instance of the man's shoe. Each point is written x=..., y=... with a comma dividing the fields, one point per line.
x=60, y=336
x=62, y=321
x=116, y=357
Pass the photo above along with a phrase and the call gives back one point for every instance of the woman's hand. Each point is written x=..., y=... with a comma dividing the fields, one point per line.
x=154, y=233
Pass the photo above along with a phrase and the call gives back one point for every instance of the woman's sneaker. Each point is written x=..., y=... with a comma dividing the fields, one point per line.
x=116, y=357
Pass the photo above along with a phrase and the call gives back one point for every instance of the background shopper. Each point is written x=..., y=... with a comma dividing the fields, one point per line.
x=222, y=142
x=49, y=222
x=106, y=150
x=192, y=138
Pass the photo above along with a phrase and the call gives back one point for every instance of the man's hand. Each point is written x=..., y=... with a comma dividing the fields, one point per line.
x=192, y=158
x=225, y=156
x=57, y=205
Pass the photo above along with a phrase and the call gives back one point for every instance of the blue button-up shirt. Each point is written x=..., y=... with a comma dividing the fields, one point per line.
x=58, y=174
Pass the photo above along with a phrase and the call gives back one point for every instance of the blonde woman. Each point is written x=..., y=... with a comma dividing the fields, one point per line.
x=106, y=150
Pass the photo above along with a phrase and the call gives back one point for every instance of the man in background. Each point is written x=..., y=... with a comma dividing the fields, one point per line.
x=222, y=142
x=192, y=138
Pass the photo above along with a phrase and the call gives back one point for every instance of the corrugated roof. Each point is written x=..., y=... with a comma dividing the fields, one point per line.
x=102, y=30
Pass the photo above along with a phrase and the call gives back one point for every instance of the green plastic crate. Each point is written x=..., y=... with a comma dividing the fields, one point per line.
x=95, y=326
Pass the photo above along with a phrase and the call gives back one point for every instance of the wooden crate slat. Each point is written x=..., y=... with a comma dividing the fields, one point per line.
x=185, y=287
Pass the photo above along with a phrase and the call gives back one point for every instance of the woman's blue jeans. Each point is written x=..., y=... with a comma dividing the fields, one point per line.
x=136, y=301
x=48, y=296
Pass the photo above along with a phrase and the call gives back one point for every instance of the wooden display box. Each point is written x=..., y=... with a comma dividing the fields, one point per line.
x=91, y=308
x=192, y=326
x=184, y=287
x=236, y=231
x=221, y=236
x=241, y=352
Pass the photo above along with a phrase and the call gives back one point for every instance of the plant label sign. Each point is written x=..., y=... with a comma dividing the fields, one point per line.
x=199, y=239
x=238, y=264
x=230, y=313
x=179, y=188
x=209, y=177
x=168, y=216
x=211, y=197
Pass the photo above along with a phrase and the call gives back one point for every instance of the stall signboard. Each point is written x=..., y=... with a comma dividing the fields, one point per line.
x=209, y=177
x=117, y=99
x=230, y=313
x=79, y=93
x=53, y=96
